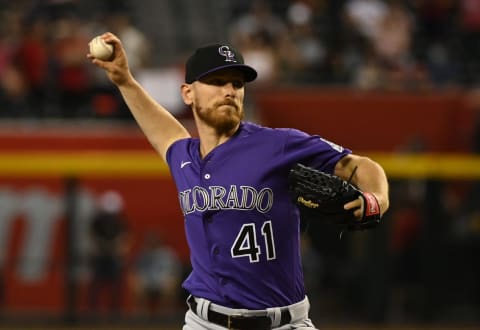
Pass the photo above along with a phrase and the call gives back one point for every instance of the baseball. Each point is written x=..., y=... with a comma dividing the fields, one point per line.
x=100, y=49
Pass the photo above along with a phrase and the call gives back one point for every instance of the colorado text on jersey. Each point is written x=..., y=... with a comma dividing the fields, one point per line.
x=220, y=198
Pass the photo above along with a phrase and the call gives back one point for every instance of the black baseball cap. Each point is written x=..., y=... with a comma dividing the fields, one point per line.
x=216, y=57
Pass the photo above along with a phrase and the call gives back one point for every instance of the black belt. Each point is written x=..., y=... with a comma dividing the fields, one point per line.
x=241, y=322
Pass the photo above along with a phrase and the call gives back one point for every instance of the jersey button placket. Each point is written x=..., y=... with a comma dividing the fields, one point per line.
x=208, y=217
x=206, y=166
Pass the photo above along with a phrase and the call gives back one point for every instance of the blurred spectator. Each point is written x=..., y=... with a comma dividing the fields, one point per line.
x=442, y=68
x=259, y=18
x=32, y=59
x=157, y=276
x=364, y=17
x=109, y=235
x=71, y=73
x=312, y=52
x=13, y=93
x=393, y=45
x=434, y=41
x=357, y=62
x=385, y=35
x=392, y=40
x=135, y=42
x=258, y=51
x=263, y=36
x=10, y=35
x=369, y=74
x=13, y=89
x=468, y=35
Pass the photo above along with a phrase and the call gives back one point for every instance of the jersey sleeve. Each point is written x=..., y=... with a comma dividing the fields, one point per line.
x=313, y=150
x=177, y=150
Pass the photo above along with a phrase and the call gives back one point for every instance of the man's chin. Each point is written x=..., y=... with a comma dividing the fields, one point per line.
x=225, y=119
x=227, y=126
x=230, y=114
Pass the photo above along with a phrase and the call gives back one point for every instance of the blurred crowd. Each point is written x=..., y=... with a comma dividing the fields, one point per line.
x=364, y=44
x=44, y=72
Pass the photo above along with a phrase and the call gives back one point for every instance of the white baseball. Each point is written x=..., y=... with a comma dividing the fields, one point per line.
x=100, y=49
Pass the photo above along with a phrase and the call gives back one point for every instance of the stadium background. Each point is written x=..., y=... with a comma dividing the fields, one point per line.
x=396, y=80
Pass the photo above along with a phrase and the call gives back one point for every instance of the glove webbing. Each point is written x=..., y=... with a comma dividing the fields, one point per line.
x=345, y=227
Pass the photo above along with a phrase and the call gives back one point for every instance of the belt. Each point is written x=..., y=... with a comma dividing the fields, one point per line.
x=241, y=322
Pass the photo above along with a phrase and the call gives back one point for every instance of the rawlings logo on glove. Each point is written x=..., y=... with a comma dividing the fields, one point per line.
x=308, y=203
x=319, y=195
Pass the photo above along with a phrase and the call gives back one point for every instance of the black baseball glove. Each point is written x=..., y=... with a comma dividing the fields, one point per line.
x=321, y=196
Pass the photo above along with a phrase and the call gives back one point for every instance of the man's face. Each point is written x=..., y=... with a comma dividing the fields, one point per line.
x=217, y=99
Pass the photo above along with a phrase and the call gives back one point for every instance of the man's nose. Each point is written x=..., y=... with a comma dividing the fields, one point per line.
x=229, y=88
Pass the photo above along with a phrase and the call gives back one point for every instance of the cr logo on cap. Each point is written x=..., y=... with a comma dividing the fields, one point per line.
x=229, y=55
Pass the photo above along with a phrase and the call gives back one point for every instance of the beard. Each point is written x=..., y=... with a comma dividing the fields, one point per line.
x=223, y=121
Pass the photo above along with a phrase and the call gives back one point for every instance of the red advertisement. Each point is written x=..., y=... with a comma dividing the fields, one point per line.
x=39, y=168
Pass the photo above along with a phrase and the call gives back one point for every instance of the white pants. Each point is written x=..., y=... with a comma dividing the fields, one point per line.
x=298, y=311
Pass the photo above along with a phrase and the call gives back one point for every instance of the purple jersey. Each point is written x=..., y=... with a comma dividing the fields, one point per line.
x=241, y=225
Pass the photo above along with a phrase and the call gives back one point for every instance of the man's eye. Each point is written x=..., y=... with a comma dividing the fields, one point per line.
x=237, y=83
x=222, y=82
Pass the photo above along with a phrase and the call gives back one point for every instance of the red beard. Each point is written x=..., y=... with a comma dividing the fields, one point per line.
x=225, y=120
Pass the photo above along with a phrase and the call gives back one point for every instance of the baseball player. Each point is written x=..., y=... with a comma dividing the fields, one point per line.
x=241, y=225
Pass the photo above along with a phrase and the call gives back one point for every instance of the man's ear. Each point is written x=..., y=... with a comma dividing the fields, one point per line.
x=187, y=94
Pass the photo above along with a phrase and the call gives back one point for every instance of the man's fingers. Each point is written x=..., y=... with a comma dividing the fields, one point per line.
x=111, y=39
x=356, y=205
x=97, y=62
x=109, y=36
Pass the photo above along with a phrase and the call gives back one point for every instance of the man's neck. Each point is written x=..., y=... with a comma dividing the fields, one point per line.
x=210, y=138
